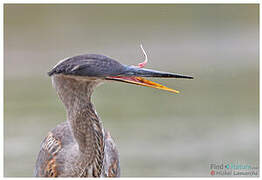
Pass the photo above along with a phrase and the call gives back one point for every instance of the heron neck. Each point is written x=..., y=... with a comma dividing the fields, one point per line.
x=86, y=126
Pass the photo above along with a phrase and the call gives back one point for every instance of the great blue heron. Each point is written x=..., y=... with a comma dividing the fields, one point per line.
x=81, y=147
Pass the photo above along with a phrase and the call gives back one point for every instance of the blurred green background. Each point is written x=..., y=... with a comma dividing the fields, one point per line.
x=214, y=119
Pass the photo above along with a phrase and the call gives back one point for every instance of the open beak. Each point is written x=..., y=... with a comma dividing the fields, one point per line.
x=134, y=75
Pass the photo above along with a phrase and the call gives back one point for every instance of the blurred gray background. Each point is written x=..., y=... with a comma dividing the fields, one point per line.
x=214, y=119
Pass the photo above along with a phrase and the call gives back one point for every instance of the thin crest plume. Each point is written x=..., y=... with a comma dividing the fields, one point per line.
x=142, y=64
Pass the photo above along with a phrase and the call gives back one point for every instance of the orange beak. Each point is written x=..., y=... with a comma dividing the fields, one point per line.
x=142, y=82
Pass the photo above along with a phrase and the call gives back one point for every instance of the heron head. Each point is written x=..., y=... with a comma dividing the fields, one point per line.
x=101, y=68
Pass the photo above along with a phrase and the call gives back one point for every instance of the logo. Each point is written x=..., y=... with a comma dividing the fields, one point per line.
x=212, y=172
x=233, y=169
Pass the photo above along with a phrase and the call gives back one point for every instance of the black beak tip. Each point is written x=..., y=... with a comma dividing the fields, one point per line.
x=182, y=76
